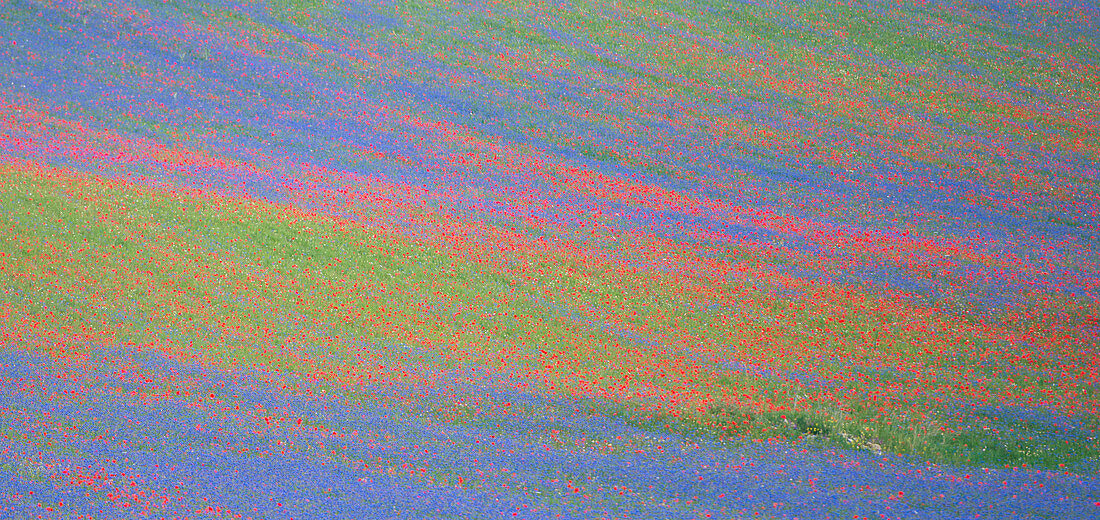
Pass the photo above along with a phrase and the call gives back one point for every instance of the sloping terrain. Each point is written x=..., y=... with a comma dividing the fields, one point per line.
x=511, y=259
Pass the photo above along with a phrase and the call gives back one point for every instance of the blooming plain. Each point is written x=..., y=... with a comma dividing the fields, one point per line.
x=401, y=259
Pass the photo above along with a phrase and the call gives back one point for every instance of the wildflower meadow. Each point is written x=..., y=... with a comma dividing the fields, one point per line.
x=576, y=259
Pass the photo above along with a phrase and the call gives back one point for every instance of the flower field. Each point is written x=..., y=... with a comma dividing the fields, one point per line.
x=503, y=259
